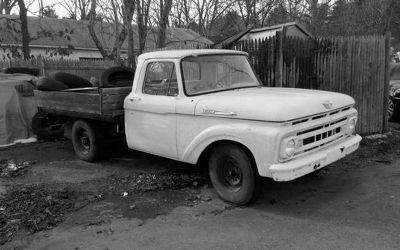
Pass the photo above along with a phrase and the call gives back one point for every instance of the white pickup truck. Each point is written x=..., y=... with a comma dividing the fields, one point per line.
x=208, y=106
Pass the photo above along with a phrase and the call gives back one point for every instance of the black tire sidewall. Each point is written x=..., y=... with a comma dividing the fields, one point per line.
x=106, y=81
x=95, y=142
x=396, y=110
x=71, y=80
x=49, y=84
x=248, y=187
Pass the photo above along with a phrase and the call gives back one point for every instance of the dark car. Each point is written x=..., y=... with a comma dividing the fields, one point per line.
x=394, y=93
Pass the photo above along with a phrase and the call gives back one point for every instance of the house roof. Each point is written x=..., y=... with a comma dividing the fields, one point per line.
x=52, y=32
x=238, y=36
x=233, y=38
x=281, y=26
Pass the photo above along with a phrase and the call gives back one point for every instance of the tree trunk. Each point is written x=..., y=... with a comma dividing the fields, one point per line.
x=24, y=29
x=92, y=17
x=128, y=17
x=141, y=26
x=165, y=9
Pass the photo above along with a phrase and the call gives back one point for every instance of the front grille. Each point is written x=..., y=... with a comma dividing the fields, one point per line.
x=320, y=116
x=320, y=135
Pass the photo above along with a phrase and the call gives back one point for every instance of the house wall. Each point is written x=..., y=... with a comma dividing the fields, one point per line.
x=5, y=53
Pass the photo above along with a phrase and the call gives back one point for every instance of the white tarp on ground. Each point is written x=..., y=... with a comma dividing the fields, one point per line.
x=17, y=107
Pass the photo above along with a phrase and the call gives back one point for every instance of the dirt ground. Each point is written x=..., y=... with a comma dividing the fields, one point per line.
x=137, y=201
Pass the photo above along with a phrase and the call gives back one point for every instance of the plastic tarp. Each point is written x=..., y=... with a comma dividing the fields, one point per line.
x=17, y=107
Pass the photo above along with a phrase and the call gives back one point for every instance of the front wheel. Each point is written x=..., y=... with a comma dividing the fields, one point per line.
x=233, y=174
x=86, y=141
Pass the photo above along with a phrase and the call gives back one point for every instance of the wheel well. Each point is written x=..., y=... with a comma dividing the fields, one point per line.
x=202, y=162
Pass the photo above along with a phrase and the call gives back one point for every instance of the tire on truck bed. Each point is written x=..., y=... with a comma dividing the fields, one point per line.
x=71, y=80
x=23, y=70
x=48, y=84
x=117, y=77
x=87, y=140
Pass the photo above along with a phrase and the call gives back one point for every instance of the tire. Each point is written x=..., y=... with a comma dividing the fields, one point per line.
x=48, y=84
x=117, y=77
x=71, y=80
x=47, y=126
x=23, y=70
x=87, y=141
x=233, y=174
x=393, y=110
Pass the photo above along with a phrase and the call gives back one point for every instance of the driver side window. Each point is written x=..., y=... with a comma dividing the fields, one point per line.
x=160, y=79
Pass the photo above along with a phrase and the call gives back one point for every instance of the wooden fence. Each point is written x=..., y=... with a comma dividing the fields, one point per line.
x=85, y=69
x=357, y=66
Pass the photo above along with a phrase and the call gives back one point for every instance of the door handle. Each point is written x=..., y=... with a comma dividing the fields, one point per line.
x=135, y=98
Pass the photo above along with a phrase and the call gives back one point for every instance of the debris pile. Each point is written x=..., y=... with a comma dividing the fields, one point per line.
x=146, y=182
x=11, y=168
x=37, y=208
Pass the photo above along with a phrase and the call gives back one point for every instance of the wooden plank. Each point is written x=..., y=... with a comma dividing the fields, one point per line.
x=116, y=90
x=114, y=98
x=278, y=59
x=69, y=101
x=107, y=107
x=387, y=81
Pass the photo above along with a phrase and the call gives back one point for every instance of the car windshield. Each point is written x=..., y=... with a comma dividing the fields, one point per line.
x=212, y=73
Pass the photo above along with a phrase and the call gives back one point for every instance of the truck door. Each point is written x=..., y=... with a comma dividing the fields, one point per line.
x=150, y=115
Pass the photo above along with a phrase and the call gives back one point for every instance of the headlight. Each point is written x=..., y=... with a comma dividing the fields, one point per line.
x=288, y=148
x=350, y=127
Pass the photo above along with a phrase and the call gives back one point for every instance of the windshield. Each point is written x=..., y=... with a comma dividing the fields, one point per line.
x=204, y=74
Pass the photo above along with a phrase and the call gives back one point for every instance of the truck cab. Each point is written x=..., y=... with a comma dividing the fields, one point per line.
x=208, y=106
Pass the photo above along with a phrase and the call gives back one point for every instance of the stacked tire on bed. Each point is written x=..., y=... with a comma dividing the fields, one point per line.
x=51, y=126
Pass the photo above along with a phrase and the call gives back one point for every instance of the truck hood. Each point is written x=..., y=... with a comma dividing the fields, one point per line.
x=270, y=104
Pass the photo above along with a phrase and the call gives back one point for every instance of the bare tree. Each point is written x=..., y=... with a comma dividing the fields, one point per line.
x=164, y=10
x=24, y=28
x=120, y=34
x=142, y=15
x=76, y=8
x=128, y=18
x=255, y=12
x=182, y=13
x=6, y=6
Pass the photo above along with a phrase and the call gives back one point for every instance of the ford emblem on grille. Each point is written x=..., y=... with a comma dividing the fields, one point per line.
x=327, y=104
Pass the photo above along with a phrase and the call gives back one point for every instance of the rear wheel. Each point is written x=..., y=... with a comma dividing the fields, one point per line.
x=233, y=174
x=86, y=140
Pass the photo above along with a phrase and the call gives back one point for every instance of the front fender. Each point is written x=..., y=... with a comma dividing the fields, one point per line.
x=213, y=134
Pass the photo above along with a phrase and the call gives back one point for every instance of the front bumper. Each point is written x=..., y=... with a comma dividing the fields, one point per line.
x=304, y=165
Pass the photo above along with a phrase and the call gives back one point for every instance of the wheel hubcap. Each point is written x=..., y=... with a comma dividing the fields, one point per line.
x=84, y=141
x=231, y=174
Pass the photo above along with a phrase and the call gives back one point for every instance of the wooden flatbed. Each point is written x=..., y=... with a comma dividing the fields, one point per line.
x=105, y=104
